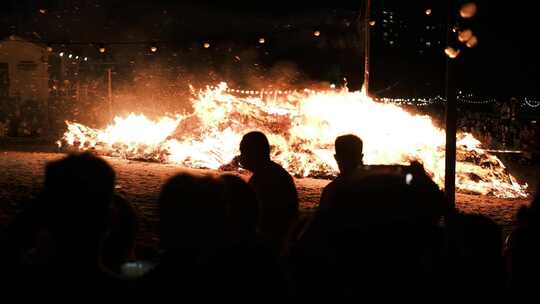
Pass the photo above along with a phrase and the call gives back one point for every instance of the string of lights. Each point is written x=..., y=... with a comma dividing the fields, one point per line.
x=532, y=103
x=152, y=45
x=398, y=101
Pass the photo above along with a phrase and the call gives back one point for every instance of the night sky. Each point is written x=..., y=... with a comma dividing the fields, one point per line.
x=505, y=62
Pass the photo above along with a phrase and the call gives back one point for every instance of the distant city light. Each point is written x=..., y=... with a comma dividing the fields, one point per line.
x=206, y=45
x=372, y=22
x=70, y=55
x=428, y=12
x=316, y=33
x=332, y=86
x=61, y=54
x=153, y=47
x=49, y=48
x=77, y=57
x=102, y=48
x=261, y=40
x=85, y=58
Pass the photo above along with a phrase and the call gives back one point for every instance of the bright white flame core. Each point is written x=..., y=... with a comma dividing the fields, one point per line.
x=301, y=128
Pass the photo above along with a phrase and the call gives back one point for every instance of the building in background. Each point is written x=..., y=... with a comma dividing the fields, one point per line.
x=26, y=65
x=24, y=84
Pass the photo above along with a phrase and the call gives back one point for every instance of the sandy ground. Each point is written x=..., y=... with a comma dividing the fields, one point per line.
x=21, y=176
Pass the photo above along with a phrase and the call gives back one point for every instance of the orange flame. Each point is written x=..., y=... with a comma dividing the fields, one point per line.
x=301, y=127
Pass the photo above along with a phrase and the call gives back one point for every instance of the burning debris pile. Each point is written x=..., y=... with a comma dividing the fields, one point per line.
x=301, y=128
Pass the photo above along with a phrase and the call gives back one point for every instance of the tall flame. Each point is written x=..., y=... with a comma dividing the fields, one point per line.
x=301, y=128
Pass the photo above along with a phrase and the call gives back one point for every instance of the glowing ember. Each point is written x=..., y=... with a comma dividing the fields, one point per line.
x=472, y=42
x=451, y=52
x=302, y=128
x=468, y=10
x=465, y=35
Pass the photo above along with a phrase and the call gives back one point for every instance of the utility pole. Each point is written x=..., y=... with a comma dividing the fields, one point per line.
x=450, y=117
x=367, y=48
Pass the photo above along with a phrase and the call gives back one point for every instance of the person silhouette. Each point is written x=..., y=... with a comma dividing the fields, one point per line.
x=312, y=237
x=192, y=229
x=274, y=188
x=349, y=157
x=522, y=250
x=75, y=208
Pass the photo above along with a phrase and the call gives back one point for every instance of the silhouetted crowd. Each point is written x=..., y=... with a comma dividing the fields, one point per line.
x=379, y=231
x=498, y=133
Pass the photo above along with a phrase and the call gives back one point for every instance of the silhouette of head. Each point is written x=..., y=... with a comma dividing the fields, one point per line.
x=475, y=247
x=348, y=153
x=242, y=207
x=254, y=150
x=192, y=213
x=480, y=237
x=78, y=192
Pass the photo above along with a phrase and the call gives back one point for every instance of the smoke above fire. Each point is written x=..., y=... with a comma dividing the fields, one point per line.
x=301, y=127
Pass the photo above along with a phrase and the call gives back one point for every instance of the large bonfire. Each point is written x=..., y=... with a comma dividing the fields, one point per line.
x=301, y=127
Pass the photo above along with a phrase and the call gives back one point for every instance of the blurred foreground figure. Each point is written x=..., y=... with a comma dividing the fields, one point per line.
x=66, y=229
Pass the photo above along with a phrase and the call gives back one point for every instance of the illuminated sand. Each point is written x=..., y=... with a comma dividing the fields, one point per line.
x=139, y=182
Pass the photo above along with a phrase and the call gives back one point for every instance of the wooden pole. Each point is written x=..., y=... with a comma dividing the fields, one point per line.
x=451, y=119
x=367, y=47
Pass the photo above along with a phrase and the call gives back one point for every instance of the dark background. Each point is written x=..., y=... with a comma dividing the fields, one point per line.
x=505, y=62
